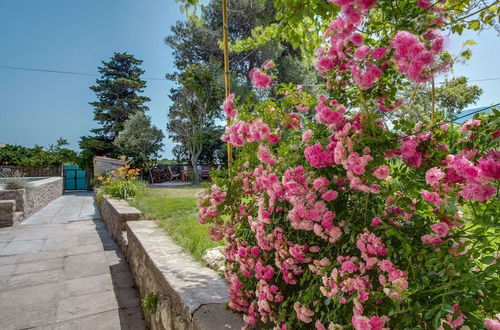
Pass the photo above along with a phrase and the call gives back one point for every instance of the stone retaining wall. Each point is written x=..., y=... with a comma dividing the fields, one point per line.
x=115, y=214
x=190, y=296
x=29, y=201
x=42, y=193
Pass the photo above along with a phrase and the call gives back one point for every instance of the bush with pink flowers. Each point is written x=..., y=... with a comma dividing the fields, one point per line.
x=335, y=218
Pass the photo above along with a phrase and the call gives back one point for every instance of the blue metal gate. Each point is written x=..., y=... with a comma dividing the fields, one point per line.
x=74, y=178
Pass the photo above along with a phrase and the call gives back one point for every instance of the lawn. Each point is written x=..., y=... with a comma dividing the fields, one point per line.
x=174, y=210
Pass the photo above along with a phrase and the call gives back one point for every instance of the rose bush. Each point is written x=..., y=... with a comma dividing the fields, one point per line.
x=335, y=218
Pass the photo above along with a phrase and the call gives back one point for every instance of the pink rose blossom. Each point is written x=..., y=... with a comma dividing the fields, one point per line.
x=433, y=176
x=304, y=314
x=268, y=65
x=306, y=136
x=260, y=79
x=477, y=192
x=330, y=195
x=379, y=52
x=424, y=4
x=228, y=106
x=441, y=229
x=376, y=221
x=432, y=197
x=469, y=124
x=492, y=324
x=382, y=172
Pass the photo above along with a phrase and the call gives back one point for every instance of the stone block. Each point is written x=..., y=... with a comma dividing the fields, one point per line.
x=7, y=213
x=115, y=214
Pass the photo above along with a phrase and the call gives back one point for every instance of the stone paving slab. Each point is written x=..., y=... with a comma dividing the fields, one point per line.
x=65, y=275
x=71, y=207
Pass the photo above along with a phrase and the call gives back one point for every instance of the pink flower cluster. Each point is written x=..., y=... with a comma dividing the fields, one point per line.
x=471, y=181
x=304, y=314
x=374, y=323
x=229, y=107
x=347, y=53
x=410, y=153
x=419, y=60
x=242, y=132
x=208, y=203
x=260, y=79
x=318, y=157
x=330, y=115
x=455, y=319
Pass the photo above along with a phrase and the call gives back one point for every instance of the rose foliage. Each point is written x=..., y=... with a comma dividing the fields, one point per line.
x=335, y=218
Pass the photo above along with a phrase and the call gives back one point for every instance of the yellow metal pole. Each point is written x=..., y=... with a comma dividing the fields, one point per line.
x=226, y=71
x=433, y=100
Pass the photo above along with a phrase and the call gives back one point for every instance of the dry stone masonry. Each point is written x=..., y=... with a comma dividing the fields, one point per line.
x=190, y=296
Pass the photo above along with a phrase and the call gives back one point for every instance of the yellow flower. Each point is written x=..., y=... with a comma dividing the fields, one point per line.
x=99, y=178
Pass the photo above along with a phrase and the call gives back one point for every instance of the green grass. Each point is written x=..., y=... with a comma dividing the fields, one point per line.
x=174, y=210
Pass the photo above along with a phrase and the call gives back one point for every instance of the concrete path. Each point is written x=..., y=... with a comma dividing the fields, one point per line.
x=60, y=269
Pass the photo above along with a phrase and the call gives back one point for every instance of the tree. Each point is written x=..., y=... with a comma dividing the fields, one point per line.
x=214, y=151
x=117, y=94
x=141, y=141
x=197, y=40
x=196, y=105
x=453, y=96
x=118, y=97
x=38, y=156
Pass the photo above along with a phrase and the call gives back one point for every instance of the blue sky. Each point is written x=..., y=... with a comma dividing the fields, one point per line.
x=38, y=108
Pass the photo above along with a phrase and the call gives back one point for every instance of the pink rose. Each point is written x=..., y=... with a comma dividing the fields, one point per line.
x=382, y=172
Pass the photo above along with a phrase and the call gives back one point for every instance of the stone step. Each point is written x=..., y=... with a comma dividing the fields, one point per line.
x=18, y=217
x=7, y=212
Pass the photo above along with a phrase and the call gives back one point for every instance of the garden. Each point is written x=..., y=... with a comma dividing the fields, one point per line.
x=355, y=199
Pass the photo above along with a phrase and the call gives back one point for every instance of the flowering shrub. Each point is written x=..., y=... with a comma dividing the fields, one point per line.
x=122, y=183
x=336, y=219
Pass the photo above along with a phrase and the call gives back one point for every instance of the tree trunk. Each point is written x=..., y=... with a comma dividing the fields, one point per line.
x=194, y=163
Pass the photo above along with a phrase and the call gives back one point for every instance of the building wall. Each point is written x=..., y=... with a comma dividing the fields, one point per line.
x=104, y=165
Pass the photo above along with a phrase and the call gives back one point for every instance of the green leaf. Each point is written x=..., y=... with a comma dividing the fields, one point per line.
x=474, y=25
x=469, y=42
x=487, y=260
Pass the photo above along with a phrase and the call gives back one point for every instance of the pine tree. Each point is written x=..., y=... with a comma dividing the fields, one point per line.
x=118, y=97
x=117, y=94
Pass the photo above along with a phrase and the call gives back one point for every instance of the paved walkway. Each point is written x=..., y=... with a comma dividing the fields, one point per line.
x=60, y=269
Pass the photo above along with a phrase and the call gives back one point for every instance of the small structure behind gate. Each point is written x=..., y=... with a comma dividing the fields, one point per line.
x=74, y=178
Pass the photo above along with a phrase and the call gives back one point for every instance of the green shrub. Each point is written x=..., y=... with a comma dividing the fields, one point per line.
x=150, y=303
x=15, y=183
x=123, y=189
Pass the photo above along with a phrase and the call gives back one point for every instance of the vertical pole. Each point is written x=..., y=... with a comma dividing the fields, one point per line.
x=226, y=71
x=433, y=100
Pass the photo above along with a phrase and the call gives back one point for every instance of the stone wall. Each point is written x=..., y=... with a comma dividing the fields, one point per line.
x=104, y=165
x=41, y=193
x=29, y=201
x=190, y=296
x=29, y=171
x=115, y=214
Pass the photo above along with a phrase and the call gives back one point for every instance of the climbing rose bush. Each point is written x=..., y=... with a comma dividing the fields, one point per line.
x=335, y=218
